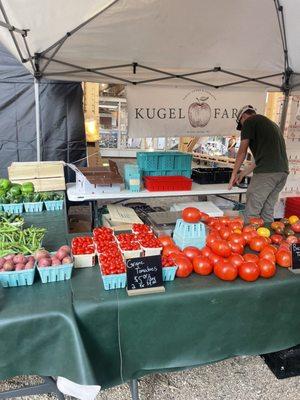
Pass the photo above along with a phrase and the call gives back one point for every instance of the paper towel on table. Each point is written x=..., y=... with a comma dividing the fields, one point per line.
x=82, y=392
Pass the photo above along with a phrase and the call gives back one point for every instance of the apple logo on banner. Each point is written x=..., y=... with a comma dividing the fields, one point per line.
x=199, y=113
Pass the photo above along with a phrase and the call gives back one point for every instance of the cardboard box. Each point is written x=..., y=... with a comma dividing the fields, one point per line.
x=116, y=227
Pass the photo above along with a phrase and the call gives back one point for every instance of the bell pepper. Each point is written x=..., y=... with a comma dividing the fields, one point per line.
x=36, y=197
x=27, y=188
x=2, y=192
x=15, y=190
x=5, y=184
x=28, y=197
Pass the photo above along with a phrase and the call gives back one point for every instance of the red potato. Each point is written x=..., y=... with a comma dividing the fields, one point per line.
x=30, y=259
x=9, y=257
x=41, y=254
x=29, y=265
x=55, y=261
x=19, y=267
x=8, y=265
x=2, y=261
x=61, y=254
x=19, y=259
x=67, y=260
x=45, y=262
x=65, y=248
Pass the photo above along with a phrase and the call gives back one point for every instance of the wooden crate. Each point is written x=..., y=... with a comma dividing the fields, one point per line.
x=36, y=170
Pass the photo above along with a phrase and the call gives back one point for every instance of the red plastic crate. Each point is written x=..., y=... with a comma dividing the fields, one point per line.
x=167, y=183
x=292, y=206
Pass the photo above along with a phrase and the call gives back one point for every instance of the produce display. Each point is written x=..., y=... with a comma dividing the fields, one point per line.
x=233, y=249
x=15, y=193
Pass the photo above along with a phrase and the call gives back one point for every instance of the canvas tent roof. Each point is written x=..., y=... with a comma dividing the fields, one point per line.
x=212, y=42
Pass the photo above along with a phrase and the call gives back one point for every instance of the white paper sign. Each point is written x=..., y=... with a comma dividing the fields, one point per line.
x=167, y=111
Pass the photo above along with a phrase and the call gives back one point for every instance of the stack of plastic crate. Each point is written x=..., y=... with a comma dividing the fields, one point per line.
x=132, y=177
x=188, y=234
x=165, y=163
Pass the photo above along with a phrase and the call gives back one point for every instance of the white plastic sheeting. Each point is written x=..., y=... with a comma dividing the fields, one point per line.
x=240, y=36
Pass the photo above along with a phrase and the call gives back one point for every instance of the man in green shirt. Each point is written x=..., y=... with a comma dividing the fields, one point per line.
x=270, y=169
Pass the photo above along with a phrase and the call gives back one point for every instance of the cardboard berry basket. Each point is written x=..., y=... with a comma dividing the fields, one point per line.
x=131, y=253
x=56, y=273
x=84, y=260
x=151, y=251
x=17, y=278
x=169, y=273
x=114, y=281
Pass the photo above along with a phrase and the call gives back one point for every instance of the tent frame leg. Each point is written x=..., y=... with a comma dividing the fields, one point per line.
x=284, y=110
x=48, y=386
x=37, y=119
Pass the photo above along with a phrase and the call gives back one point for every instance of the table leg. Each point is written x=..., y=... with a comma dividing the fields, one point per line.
x=134, y=389
x=48, y=386
x=94, y=212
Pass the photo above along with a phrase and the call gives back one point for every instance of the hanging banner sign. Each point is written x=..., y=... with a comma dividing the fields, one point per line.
x=167, y=111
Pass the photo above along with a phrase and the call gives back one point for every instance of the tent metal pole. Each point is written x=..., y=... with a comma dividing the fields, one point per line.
x=37, y=119
x=284, y=111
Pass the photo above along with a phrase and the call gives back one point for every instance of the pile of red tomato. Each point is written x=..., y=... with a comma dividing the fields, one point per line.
x=109, y=254
x=224, y=253
x=82, y=245
x=128, y=242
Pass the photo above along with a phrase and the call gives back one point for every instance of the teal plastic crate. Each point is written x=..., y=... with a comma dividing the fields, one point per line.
x=168, y=273
x=17, y=278
x=54, y=205
x=34, y=207
x=13, y=208
x=56, y=273
x=187, y=234
x=115, y=281
x=161, y=163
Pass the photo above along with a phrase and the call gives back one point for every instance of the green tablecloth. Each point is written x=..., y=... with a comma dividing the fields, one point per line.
x=77, y=330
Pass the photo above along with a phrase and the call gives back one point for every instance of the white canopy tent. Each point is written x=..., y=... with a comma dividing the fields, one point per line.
x=208, y=43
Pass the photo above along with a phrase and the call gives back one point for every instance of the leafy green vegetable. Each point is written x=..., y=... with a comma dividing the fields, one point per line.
x=16, y=240
x=27, y=188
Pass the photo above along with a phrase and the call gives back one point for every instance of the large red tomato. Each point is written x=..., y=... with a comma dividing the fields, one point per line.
x=270, y=247
x=211, y=238
x=247, y=236
x=257, y=243
x=166, y=241
x=224, y=220
x=191, y=214
x=267, y=255
x=251, y=258
x=185, y=267
x=249, y=228
x=206, y=251
x=225, y=270
x=221, y=248
x=276, y=238
x=214, y=258
x=170, y=250
x=191, y=252
x=249, y=271
x=225, y=233
x=233, y=225
x=267, y=268
x=292, y=239
x=237, y=238
x=256, y=221
x=283, y=258
x=204, y=217
x=236, y=248
x=202, y=265
x=236, y=259
x=296, y=227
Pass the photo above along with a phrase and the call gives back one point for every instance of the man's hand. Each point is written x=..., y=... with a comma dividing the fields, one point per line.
x=233, y=180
